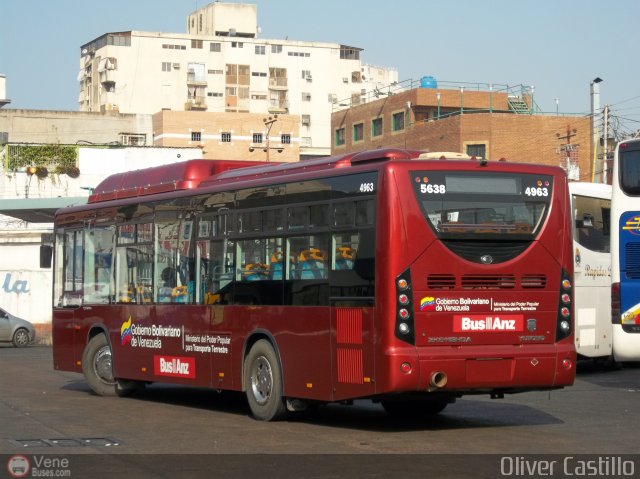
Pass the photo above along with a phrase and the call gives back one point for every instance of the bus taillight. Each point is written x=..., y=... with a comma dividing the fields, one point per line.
x=564, y=321
x=615, y=303
x=404, y=309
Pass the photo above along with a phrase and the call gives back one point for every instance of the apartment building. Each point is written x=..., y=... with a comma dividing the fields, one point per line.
x=222, y=65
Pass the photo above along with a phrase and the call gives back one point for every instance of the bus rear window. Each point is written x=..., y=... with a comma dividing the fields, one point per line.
x=470, y=205
x=630, y=169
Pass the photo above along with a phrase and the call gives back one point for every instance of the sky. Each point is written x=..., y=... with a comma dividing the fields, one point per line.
x=557, y=46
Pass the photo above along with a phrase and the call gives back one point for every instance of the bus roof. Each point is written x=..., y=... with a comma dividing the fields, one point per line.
x=196, y=174
x=200, y=173
x=596, y=190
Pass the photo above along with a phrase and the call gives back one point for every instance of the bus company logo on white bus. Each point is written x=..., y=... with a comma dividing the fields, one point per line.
x=510, y=322
x=174, y=366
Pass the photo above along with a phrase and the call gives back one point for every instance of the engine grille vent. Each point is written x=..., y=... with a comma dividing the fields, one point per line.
x=489, y=281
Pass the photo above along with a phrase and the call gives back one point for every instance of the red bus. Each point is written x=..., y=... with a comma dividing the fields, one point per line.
x=377, y=274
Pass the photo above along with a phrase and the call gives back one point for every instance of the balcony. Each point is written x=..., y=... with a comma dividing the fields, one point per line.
x=197, y=104
x=196, y=80
x=278, y=83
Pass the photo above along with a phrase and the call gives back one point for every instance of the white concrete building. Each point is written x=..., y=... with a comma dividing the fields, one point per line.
x=27, y=203
x=223, y=65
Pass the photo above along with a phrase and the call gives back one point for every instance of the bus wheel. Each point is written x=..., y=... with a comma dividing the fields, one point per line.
x=415, y=408
x=263, y=381
x=96, y=366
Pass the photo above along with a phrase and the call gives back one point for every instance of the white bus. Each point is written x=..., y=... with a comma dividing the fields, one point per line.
x=591, y=209
x=625, y=251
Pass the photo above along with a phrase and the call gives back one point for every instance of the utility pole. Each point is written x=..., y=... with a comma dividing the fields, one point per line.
x=605, y=144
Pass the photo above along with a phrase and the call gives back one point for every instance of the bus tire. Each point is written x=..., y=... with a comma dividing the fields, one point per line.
x=413, y=409
x=97, y=366
x=263, y=381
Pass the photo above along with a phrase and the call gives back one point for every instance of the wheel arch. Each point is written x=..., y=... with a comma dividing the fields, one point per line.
x=250, y=340
x=96, y=329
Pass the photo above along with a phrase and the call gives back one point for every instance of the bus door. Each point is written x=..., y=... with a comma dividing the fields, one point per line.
x=352, y=314
x=68, y=285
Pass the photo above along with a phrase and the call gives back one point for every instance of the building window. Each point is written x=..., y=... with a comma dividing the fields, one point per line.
x=166, y=66
x=376, y=127
x=133, y=139
x=196, y=43
x=237, y=45
x=358, y=132
x=306, y=120
x=306, y=96
x=397, y=121
x=348, y=53
x=479, y=150
x=196, y=136
x=306, y=75
x=259, y=74
x=215, y=72
x=285, y=139
x=215, y=47
x=214, y=94
x=276, y=48
x=257, y=138
x=333, y=98
x=340, y=136
x=260, y=49
x=225, y=137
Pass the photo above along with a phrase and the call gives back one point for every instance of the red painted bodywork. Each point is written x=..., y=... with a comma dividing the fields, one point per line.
x=330, y=353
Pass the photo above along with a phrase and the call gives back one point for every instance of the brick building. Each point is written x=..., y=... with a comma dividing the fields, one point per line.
x=230, y=136
x=486, y=123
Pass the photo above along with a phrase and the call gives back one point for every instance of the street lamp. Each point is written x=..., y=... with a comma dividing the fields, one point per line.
x=461, y=100
x=557, y=100
x=268, y=122
x=438, y=99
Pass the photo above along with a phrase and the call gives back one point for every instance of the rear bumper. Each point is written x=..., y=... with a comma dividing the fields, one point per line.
x=494, y=368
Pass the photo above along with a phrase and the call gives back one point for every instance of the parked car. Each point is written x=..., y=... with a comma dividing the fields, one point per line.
x=16, y=330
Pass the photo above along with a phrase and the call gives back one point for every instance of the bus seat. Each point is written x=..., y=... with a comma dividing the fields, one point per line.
x=344, y=257
x=255, y=272
x=275, y=267
x=312, y=264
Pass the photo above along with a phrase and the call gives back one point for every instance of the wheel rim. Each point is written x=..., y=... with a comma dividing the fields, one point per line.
x=21, y=338
x=102, y=365
x=261, y=380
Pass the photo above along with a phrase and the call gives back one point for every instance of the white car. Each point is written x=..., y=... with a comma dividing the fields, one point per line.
x=16, y=330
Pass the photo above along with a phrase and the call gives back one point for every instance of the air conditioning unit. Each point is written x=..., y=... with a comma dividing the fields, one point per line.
x=309, y=78
x=176, y=66
x=306, y=120
x=345, y=80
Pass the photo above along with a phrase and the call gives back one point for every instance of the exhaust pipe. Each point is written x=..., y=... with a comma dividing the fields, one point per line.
x=438, y=379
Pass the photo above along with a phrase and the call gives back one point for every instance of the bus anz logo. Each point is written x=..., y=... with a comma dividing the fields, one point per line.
x=632, y=225
x=477, y=322
x=179, y=367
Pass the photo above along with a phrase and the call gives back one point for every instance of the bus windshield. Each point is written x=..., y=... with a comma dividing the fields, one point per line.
x=476, y=205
